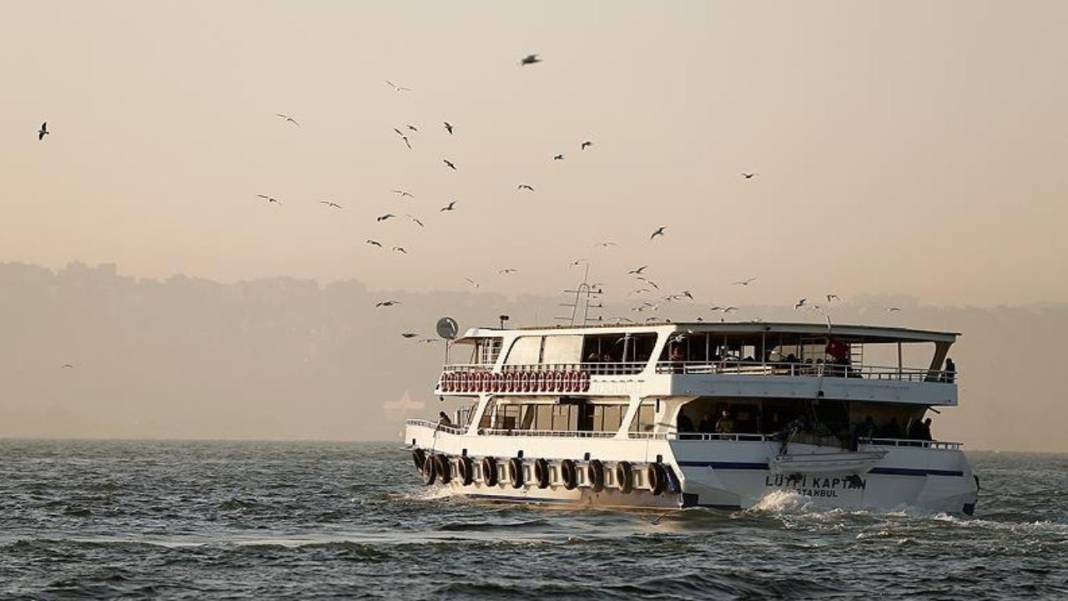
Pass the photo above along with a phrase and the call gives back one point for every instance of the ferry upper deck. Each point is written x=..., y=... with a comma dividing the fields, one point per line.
x=725, y=359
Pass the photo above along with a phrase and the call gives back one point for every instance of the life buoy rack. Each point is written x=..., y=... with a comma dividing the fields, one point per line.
x=418, y=458
x=515, y=467
x=441, y=466
x=657, y=478
x=624, y=476
x=430, y=471
x=465, y=469
x=595, y=474
x=489, y=471
x=569, y=474
x=541, y=472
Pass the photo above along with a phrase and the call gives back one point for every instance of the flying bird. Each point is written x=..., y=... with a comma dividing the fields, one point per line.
x=412, y=127
x=891, y=309
x=41, y=133
x=685, y=294
x=748, y=175
x=448, y=127
x=67, y=366
x=606, y=244
x=397, y=88
x=403, y=137
x=586, y=145
x=330, y=204
x=659, y=232
x=800, y=303
x=529, y=59
x=576, y=262
x=385, y=217
x=400, y=249
x=269, y=199
x=287, y=118
x=638, y=271
x=650, y=282
x=409, y=334
x=388, y=303
x=417, y=222
x=472, y=282
x=558, y=157
x=507, y=270
x=449, y=207
x=832, y=297
x=449, y=164
x=525, y=187
x=403, y=193
x=374, y=243
x=744, y=282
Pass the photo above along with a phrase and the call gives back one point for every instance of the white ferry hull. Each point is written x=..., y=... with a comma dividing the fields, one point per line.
x=728, y=474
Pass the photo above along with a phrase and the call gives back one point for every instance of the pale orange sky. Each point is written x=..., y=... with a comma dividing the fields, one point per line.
x=902, y=147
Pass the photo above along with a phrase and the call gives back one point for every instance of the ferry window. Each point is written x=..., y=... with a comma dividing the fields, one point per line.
x=564, y=418
x=487, y=350
x=544, y=418
x=606, y=418
x=487, y=416
x=507, y=417
x=645, y=419
x=526, y=350
x=640, y=347
x=562, y=349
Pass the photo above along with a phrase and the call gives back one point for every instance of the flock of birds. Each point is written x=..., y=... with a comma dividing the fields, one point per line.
x=643, y=284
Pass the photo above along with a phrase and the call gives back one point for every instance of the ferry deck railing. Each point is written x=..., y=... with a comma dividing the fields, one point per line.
x=593, y=368
x=687, y=436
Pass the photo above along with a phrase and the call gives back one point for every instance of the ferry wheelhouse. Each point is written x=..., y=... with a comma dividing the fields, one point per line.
x=676, y=415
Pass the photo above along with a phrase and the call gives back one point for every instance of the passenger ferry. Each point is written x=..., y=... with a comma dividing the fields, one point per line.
x=675, y=415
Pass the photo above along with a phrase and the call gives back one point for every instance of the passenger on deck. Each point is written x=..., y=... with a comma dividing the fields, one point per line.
x=706, y=426
x=892, y=429
x=685, y=423
x=925, y=430
x=725, y=424
x=443, y=419
x=951, y=371
x=678, y=359
x=864, y=431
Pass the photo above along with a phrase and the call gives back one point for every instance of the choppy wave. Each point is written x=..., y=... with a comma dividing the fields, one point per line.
x=300, y=520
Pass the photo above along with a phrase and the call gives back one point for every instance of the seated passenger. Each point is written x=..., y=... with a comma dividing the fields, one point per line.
x=951, y=371
x=892, y=429
x=443, y=419
x=925, y=430
x=706, y=426
x=678, y=359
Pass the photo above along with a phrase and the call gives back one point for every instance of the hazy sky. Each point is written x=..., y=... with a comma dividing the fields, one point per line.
x=905, y=147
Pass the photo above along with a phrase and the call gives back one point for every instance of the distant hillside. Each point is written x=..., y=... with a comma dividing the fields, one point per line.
x=287, y=358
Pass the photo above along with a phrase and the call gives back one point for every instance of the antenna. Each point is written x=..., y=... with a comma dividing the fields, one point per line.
x=584, y=297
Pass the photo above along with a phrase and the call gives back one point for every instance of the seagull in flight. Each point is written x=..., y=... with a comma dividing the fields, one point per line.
x=41, y=133
x=67, y=366
x=586, y=145
x=650, y=282
x=385, y=217
x=417, y=222
x=744, y=282
x=684, y=294
x=388, y=303
x=413, y=128
x=800, y=303
x=449, y=164
x=269, y=199
x=748, y=175
x=449, y=207
x=832, y=297
x=659, y=232
x=507, y=270
x=403, y=193
x=606, y=244
x=409, y=334
x=525, y=187
x=330, y=204
x=403, y=137
x=529, y=59
x=892, y=309
x=374, y=243
x=558, y=157
x=637, y=271
x=397, y=88
x=472, y=282
x=448, y=127
x=576, y=263
x=287, y=118
x=400, y=249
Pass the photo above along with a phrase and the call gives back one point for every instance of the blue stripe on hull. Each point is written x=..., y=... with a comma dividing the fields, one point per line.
x=886, y=471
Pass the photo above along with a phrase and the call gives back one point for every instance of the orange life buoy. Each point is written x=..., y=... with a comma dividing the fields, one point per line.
x=584, y=381
x=524, y=382
x=509, y=382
